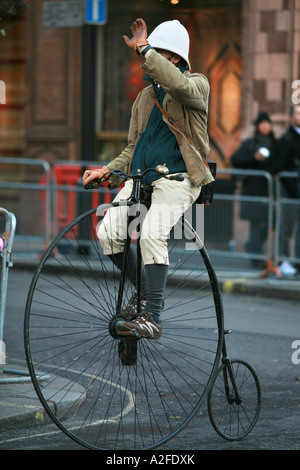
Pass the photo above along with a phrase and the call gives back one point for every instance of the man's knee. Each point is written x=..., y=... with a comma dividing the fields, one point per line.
x=154, y=250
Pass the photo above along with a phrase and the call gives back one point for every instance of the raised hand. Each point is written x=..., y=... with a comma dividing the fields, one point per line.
x=139, y=34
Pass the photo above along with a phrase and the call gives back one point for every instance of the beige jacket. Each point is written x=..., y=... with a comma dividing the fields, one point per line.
x=186, y=101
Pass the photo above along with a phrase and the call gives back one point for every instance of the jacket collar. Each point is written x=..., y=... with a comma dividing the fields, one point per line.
x=147, y=77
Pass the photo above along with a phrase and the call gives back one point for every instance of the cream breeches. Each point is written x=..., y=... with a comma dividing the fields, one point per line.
x=170, y=199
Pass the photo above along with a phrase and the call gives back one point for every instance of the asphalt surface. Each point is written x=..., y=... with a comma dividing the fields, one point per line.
x=19, y=404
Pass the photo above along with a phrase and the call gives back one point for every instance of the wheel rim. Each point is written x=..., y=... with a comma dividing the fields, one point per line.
x=89, y=393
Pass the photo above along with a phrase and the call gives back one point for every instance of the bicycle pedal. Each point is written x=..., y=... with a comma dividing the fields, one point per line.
x=131, y=334
x=127, y=350
x=123, y=330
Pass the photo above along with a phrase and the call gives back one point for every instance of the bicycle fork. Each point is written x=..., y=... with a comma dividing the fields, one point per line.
x=229, y=378
x=127, y=347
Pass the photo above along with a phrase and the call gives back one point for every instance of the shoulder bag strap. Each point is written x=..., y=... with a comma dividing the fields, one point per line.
x=171, y=121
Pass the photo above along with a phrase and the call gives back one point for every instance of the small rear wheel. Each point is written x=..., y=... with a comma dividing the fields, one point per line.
x=234, y=416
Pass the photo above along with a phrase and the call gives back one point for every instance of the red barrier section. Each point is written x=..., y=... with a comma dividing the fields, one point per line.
x=67, y=177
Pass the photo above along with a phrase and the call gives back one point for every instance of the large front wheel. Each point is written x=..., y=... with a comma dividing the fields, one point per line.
x=99, y=396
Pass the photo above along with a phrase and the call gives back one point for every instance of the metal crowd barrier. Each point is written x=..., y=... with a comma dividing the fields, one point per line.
x=227, y=232
x=8, y=227
x=25, y=190
x=69, y=198
x=47, y=202
x=7, y=232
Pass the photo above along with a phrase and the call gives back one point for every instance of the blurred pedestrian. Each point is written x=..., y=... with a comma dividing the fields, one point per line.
x=256, y=153
x=287, y=158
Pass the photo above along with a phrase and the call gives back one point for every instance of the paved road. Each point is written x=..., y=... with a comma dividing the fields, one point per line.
x=263, y=334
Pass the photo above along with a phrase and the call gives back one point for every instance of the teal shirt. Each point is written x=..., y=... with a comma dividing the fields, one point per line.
x=157, y=145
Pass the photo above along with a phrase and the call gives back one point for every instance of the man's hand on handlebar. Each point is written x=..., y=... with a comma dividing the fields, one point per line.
x=139, y=35
x=91, y=175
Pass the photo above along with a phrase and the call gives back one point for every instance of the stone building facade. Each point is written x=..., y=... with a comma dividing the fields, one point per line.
x=271, y=58
x=69, y=90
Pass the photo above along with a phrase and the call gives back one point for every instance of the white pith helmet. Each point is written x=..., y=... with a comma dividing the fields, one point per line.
x=171, y=36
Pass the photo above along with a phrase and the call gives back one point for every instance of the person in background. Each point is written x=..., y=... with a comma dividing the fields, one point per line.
x=287, y=158
x=256, y=153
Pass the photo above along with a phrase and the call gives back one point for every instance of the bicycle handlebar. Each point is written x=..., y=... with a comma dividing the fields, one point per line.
x=160, y=169
x=178, y=177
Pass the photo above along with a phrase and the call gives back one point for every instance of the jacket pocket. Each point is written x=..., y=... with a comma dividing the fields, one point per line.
x=174, y=109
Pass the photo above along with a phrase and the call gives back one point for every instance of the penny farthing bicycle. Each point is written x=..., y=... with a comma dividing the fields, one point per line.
x=124, y=392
